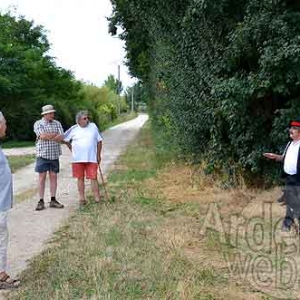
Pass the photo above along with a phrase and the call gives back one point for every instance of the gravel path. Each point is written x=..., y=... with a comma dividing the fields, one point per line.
x=29, y=229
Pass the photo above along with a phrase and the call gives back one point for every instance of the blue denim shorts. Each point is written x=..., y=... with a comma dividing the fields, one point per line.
x=44, y=165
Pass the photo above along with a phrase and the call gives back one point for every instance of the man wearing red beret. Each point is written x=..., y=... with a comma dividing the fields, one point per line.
x=291, y=173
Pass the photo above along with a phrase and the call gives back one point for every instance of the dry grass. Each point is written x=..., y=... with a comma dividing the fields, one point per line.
x=186, y=186
x=28, y=194
x=17, y=162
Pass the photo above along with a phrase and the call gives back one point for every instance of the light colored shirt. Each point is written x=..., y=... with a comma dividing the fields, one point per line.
x=6, y=192
x=46, y=148
x=84, y=142
x=291, y=158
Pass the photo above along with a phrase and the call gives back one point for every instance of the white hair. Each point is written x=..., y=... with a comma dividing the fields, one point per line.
x=82, y=113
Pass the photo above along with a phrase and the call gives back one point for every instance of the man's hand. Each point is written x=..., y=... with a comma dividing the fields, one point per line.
x=47, y=136
x=52, y=137
x=273, y=156
x=269, y=155
x=58, y=138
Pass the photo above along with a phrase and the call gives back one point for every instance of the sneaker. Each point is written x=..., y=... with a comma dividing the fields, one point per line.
x=56, y=204
x=40, y=205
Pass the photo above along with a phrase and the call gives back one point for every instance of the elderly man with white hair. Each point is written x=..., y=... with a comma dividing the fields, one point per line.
x=6, y=200
x=86, y=146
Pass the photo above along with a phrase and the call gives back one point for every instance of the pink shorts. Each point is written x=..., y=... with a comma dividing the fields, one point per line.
x=89, y=169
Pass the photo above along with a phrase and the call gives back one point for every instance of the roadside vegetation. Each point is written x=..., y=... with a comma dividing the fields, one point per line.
x=147, y=241
x=17, y=144
x=122, y=118
x=19, y=161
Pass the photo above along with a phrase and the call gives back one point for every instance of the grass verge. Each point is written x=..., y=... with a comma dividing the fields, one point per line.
x=17, y=144
x=28, y=194
x=119, y=120
x=146, y=244
x=18, y=162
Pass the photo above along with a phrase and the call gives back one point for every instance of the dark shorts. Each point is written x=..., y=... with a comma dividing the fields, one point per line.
x=44, y=165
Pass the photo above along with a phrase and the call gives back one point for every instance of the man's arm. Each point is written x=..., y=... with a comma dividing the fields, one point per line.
x=69, y=145
x=58, y=138
x=40, y=134
x=47, y=136
x=99, y=144
x=273, y=156
x=99, y=149
x=68, y=136
x=60, y=135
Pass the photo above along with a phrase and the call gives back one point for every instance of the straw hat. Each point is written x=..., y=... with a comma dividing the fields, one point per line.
x=47, y=109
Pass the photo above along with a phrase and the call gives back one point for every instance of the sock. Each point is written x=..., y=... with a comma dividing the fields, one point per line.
x=53, y=198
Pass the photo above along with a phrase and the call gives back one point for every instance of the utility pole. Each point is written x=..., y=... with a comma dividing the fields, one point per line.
x=132, y=92
x=119, y=87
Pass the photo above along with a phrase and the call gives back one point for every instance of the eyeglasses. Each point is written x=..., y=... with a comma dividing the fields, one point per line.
x=85, y=118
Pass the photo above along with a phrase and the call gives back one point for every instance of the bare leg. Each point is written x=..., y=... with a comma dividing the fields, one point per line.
x=95, y=189
x=80, y=185
x=53, y=183
x=42, y=180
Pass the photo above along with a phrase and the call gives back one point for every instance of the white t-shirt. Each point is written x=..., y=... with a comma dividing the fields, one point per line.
x=291, y=158
x=84, y=142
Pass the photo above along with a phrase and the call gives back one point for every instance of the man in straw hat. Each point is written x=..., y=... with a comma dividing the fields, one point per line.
x=6, y=199
x=291, y=173
x=49, y=134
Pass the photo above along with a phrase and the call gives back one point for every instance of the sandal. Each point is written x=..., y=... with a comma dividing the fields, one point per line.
x=7, y=283
x=82, y=202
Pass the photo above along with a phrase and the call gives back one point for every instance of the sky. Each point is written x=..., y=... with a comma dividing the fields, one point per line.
x=78, y=33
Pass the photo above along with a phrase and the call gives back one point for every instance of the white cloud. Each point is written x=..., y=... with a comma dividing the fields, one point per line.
x=78, y=33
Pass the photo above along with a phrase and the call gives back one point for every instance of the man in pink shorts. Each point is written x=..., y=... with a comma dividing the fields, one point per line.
x=86, y=146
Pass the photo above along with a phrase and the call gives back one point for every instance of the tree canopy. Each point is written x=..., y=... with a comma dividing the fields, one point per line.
x=30, y=78
x=114, y=84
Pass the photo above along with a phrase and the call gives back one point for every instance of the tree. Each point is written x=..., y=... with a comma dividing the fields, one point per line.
x=29, y=78
x=139, y=93
x=114, y=84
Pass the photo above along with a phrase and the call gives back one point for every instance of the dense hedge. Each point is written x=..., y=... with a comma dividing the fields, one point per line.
x=224, y=74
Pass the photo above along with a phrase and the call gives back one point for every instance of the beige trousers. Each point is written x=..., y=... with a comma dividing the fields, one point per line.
x=3, y=240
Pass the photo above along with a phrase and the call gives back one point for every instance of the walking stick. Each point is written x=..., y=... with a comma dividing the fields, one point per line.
x=103, y=183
